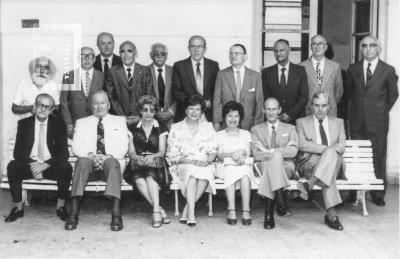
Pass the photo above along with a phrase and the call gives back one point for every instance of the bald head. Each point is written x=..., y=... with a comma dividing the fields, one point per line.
x=87, y=58
x=272, y=109
x=370, y=48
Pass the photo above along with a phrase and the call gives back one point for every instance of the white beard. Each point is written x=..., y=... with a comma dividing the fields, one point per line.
x=39, y=81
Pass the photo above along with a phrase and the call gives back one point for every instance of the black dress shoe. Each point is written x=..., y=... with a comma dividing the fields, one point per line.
x=116, y=223
x=14, y=214
x=284, y=212
x=72, y=222
x=191, y=223
x=334, y=223
x=269, y=222
x=379, y=202
x=62, y=213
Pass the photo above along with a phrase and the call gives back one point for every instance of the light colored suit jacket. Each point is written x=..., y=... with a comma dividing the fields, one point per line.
x=169, y=102
x=251, y=96
x=332, y=84
x=115, y=136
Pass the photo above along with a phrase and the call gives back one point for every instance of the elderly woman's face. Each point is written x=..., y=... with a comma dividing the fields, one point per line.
x=194, y=112
x=148, y=111
x=232, y=119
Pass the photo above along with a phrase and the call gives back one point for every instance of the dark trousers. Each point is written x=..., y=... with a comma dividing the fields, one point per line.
x=379, y=148
x=18, y=171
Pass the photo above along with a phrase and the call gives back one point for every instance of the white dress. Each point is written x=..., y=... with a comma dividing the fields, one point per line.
x=181, y=143
x=226, y=144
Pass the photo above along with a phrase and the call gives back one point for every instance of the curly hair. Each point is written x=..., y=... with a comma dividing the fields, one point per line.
x=233, y=106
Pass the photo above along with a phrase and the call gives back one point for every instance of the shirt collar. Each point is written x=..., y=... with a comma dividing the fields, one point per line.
x=109, y=58
x=83, y=71
x=287, y=66
x=156, y=68
x=195, y=62
x=241, y=69
x=131, y=67
x=270, y=125
x=316, y=120
x=373, y=62
x=155, y=124
x=40, y=122
x=314, y=61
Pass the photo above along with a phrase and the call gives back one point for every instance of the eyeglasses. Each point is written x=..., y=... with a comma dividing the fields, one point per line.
x=196, y=46
x=42, y=106
x=236, y=53
x=318, y=44
x=371, y=45
x=159, y=54
x=151, y=110
x=87, y=56
x=40, y=67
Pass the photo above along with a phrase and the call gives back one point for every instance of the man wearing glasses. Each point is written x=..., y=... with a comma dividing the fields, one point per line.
x=76, y=91
x=42, y=71
x=162, y=79
x=194, y=75
x=323, y=75
x=371, y=87
x=40, y=152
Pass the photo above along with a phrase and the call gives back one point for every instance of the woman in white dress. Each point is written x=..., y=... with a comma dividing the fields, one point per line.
x=191, y=152
x=233, y=145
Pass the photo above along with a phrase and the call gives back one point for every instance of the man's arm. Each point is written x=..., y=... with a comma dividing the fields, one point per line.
x=291, y=147
x=148, y=88
x=19, y=153
x=217, y=103
x=393, y=92
x=258, y=151
x=303, y=96
x=112, y=94
x=338, y=84
x=61, y=144
x=258, y=109
x=305, y=145
x=340, y=146
x=21, y=109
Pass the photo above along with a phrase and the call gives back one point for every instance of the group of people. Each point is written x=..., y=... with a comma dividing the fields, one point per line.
x=198, y=123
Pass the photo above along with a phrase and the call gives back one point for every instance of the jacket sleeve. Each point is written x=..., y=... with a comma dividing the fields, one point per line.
x=109, y=84
x=393, y=92
x=291, y=147
x=259, y=105
x=64, y=100
x=298, y=108
x=340, y=146
x=217, y=104
x=338, y=84
x=178, y=93
x=19, y=153
x=305, y=144
x=61, y=144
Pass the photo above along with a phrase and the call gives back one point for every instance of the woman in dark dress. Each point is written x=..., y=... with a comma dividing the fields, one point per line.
x=147, y=147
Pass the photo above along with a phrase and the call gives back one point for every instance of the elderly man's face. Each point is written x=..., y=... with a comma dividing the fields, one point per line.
x=127, y=53
x=320, y=107
x=237, y=56
x=318, y=46
x=370, y=48
x=100, y=105
x=272, y=110
x=106, y=45
x=43, y=107
x=159, y=56
x=87, y=58
x=281, y=52
x=41, y=71
x=197, y=49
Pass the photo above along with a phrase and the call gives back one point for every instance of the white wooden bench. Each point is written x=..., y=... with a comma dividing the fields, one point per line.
x=359, y=172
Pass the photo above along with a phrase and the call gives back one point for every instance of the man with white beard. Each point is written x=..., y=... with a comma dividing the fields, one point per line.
x=42, y=71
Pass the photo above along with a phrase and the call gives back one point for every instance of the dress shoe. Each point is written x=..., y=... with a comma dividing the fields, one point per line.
x=231, y=221
x=191, y=223
x=304, y=190
x=379, y=202
x=246, y=222
x=281, y=204
x=157, y=222
x=284, y=212
x=14, y=214
x=269, y=222
x=72, y=222
x=62, y=213
x=334, y=223
x=116, y=223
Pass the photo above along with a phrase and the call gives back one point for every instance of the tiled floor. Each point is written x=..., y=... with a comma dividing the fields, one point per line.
x=40, y=233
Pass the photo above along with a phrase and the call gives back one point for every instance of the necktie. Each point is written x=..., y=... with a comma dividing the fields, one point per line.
x=238, y=85
x=129, y=77
x=100, y=138
x=161, y=88
x=105, y=69
x=282, y=83
x=319, y=74
x=199, y=80
x=88, y=81
x=369, y=74
x=273, y=137
x=41, y=143
x=324, y=140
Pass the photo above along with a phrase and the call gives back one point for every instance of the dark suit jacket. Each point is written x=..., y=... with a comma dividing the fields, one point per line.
x=373, y=103
x=251, y=96
x=56, y=140
x=115, y=61
x=125, y=100
x=294, y=97
x=73, y=101
x=184, y=84
x=169, y=102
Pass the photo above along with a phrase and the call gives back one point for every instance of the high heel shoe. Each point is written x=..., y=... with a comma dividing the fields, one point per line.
x=183, y=219
x=191, y=223
x=246, y=222
x=165, y=218
x=231, y=221
x=156, y=223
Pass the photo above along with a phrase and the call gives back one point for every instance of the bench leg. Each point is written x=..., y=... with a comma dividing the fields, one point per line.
x=176, y=203
x=210, y=206
x=25, y=201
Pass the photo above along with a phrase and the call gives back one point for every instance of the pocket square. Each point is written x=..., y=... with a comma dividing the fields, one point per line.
x=251, y=90
x=285, y=134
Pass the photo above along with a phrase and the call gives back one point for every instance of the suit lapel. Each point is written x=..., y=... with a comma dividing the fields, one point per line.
x=50, y=133
x=246, y=83
x=137, y=71
x=377, y=73
x=266, y=134
x=206, y=77
x=190, y=73
x=154, y=75
x=328, y=70
x=168, y=73
x=311, y=128
x=95, y=81
x=310, y=67
x=122, y=76
x=332, y=130
x=279, y=133
x=230, y=78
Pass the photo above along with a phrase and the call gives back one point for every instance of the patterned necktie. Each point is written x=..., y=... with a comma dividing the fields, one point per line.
x=238, y=86
x=324, y=139
x=105, y=68
x=161, y=88
x=319, y=74
x=273, y=137
x=88, y=81
x=369, y=74
x=282, y=83
x=129, y=77
x=199, y=80
x=100, y=138
x=41, y=143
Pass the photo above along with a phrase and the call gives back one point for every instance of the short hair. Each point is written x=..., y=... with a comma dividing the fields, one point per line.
x=374, y=38
x=148, y=99
x=87, y=47
x=127, y=42
x=194, y=100
x=319, y=35
x=270, y=99
x=283, y=41
x=241, y=46
x=158, y=44
x=104, y=34
x=198, y=37
x=52, y=66
x=44, y=95
x=318, y=95
x=233, y=106
x=100, y=92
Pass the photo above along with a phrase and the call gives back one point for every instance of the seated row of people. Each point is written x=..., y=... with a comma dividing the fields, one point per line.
x=190, y=149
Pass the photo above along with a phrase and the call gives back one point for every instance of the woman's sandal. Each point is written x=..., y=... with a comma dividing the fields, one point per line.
x=165, y=218
x=246, y=222
x=156, y=223
x=231, y=221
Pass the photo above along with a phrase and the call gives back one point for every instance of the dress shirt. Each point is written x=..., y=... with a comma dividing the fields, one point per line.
x=162, y=73
x=326, y=128
x=241, y=70
x=194, y=66
x=286, y=72
x=131, y=67
x=83, y=78
x=321, y=64
x=109, y=63
x=372, y=68
x=34, y=151
x=270, y=127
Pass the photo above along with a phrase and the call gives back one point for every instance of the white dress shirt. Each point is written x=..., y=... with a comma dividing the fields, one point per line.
x=270, y=127
x=326, y=128
x=35, y=147
x=286, y=72
x=194, y=66
x=241, y=71
x=109, y=63
x=83, y=78
x=372, y=68
x=131, y=67
x=321, y=64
